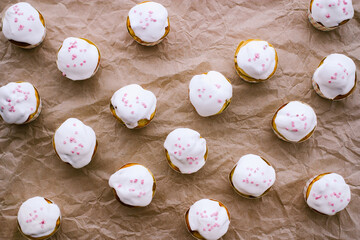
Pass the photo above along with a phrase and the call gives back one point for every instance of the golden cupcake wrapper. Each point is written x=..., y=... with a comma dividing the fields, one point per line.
x=338, y=97
x=141, y=123
x=57, y=227
x=319, y=25
x=242, y=194
x=196, y=234
x=175, y=167
x=153, y=188
x=242, y=73
x=277, y=133
x=137, y=39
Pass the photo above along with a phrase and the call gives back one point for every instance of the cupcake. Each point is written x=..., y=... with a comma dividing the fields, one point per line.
x=148, y=23
x=255, y=60
x=295, y=121
x=133, y=106
x=133, y=185
x=19, y=103
x=23, y=25
x=252, y=176
x=38, y=218
x=75, y=143
x=210, y=93
x=335, y=77
x=327, y=193
x=78, y=58
x=207, y=219
x=186, y=151
x=327, y=15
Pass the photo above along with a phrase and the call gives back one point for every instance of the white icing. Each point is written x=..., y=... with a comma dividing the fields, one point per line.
x=148, y=21
x=209, y=92
x=295, y=120
x=133, y=103
x=329, y=195
x=332, y=12
x=77, y=59
x=75, y=142
x=252, y=175
x=37, y=217
x=17, y=102
x=186, y=149
x=133, y=185
x=257, y=59
x=336, y=76
x=209, y=219
x=22, y=23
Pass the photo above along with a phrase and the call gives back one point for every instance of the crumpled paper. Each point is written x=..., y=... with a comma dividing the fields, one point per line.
x=203, y=37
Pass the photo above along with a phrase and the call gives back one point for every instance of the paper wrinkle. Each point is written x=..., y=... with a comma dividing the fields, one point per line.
x=203, y=37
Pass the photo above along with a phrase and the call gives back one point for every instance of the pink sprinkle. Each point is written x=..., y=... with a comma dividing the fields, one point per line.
x=264, y=181
x=348, y=199
x=197, y=213
x=67, y=65
x=293, y=124
x=199, y=96
x=210, y=96
x=219, y=101
x=21, y=27
x=74, y=65
x=142, y=181
x=333, y=210
x=16, y=20
x=204, y=229
x=263, y=65
x=30, y=30
x=151, y=12
x=78, y=153
x=257, y=55
x=252, y=182
x=267, y=59
x=179, y=139
x=132, y=112
x=257, y=185
x=84, y=60
x=64, y=142
x=332, y=204
x=175, y=152
x=188, y=145
x=119, y=186
x=329, y=81
x=327, y=15
x=249, y=59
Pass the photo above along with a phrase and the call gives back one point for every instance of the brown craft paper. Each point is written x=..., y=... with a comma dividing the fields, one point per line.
x=203, y=37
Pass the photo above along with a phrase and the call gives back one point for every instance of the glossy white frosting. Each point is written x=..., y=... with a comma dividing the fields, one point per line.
x=186, y=149
x=148, y=21
x=336, y=76
x=133, y=185
x=329, y=195
x=133, y=103
x=257, y=59
x=331, y=12
x=37, y=217
x=21, y=23
x=295, y=120
x=209, y=219
x=75, y=142
x=77, y=59
x=17, y=102
x=209, y=92
x=252, y=175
